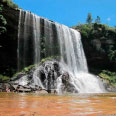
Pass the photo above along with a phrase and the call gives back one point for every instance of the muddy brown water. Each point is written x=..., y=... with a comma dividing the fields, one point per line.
x=22, y=104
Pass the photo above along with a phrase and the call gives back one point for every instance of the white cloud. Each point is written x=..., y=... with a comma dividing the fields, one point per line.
x=108, y=19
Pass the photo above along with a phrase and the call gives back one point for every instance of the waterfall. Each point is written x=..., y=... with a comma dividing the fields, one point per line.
x=40, y=38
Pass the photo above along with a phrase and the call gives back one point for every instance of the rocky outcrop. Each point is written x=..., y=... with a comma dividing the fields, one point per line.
x=108, y=86
x=47, y=76
x=67, y=86
x=6, y=87
x=96, y=53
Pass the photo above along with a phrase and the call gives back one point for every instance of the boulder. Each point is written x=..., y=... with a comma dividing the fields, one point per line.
x=41, y=91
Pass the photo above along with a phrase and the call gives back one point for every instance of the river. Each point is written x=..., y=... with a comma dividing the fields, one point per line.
x=22, y=104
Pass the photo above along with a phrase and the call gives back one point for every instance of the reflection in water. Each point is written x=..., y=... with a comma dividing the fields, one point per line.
x=12, y=104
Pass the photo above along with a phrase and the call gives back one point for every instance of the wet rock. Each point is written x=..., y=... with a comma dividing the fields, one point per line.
x=42, y=92
x=49, y=74
x=6, y=86
x=15, y=86
x=24, y=90
x=44, y=77
x=110, y=88
x=18, y=76
x=107, y=85
x=67, y=85
x=65, y=78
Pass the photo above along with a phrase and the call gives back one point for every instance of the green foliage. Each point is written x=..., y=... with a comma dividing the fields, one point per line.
x=28, y=68
x=112, y=55
x=110, y=76
x=3, y=21
x=2, y=30
x=95, y=30
x=25, y=70
x=101, y=40
x=10, y=3
x=98, y=20
x=50, y=58
x=85, y=29
x=4, y=78
x=89, y=18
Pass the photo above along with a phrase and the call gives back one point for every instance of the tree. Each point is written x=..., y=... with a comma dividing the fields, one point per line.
x=10, y=3
x=112, y=55
x=2, y=21
x=98, y=20
x=89, y=18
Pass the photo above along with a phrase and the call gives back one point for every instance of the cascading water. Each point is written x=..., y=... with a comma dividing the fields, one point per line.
x=39, y=38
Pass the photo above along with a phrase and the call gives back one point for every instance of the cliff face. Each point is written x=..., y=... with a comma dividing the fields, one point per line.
x=94, y=48
x=99, y=42
x=8, y=42
x=96, y=55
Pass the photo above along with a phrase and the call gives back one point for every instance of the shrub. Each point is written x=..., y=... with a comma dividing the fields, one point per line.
x=10, y=3
x=4, y=78
x=3, y=21
x=108, y=75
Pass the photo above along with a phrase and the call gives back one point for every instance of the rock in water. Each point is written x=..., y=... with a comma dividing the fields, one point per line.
x=46, y=77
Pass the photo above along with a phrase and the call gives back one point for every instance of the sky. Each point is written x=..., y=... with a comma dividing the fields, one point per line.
x=72, y=12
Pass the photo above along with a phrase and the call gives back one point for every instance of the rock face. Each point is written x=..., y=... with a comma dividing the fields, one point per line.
x=8, y=46
x=8, y=42
x=47, y=76
x=97, y=57
x=67, y=86
x=6, y=87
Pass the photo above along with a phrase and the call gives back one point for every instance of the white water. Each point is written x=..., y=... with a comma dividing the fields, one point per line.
x=73, y=60
x=56, y=36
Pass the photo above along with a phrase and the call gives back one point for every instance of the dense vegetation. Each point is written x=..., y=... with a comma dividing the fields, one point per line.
x=102, y=39
x=9, y=3
x=2, y=21
x=109, y=76
x=8, y=32
x=101, y=32
x=96, y=30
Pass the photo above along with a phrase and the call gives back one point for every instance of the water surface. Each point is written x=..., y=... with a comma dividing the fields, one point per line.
x=15, y=104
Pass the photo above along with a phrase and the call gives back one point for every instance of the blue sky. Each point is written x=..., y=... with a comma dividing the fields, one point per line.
x=71, y=12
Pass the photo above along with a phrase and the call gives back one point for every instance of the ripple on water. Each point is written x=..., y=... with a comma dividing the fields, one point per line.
x=54, y=105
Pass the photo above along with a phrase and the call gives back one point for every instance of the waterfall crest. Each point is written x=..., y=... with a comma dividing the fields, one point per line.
x=40, y=38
